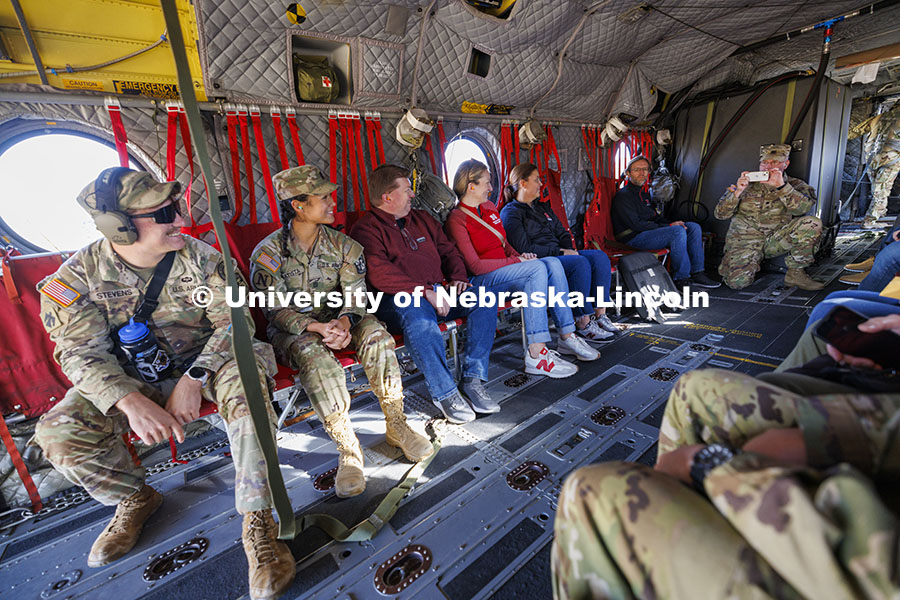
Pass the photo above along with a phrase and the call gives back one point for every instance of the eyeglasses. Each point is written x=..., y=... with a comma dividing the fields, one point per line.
x=163, y=215
x=401, y=224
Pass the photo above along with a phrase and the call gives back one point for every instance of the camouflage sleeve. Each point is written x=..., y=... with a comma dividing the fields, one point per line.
x=798, y=197
x=353, y=276
x=795, y=518
x=84, y=350
x=218, y=350
x=266, y=272
x=857, y=429
x=727, y=205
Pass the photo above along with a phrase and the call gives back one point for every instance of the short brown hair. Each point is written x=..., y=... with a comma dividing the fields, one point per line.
x=468, y=172
x=383, y=180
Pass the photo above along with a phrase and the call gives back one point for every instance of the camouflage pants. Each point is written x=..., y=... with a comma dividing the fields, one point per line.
x=625, y=531
x=86, y=446
x=322, y=376
x=746, y=245
x=882, y=171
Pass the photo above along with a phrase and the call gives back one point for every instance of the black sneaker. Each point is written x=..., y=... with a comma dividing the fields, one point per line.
x=701, y=280
x=683, y=283
x=473, y=390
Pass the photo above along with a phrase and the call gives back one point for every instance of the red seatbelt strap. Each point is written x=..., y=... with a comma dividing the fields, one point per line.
x=430, y=154
x=514, y=130
x=345, y=160
x=551, y=147
x=115, y=116
x=171, y=141
x=248, y=161
x=295, y=136
x=275, y=113
x=332, y=147
x=361, y=161
x=264, y=163
x=232, y=124
x=186, y=140
x=442, y=148
x=21, y=469
x=370, y=137
x=504, y=152
x=376, y=118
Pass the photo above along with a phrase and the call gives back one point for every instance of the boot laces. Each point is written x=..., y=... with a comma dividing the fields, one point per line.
x=125, y=513
x=260, y=540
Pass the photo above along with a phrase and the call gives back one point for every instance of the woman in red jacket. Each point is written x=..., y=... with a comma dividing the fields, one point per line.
x=476, y=227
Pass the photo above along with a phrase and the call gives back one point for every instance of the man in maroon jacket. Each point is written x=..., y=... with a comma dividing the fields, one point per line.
x=407, y=249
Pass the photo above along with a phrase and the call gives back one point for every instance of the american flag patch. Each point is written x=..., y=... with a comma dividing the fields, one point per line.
x=268, y=262
x=60, y=292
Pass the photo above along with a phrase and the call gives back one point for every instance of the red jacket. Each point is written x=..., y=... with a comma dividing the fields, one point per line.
x=393, y=265
x=481, y=250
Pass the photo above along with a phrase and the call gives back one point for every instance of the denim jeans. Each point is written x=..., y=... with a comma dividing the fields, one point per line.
x=533, y=276
x=887, y=264
x=422, y=336
x=587, y=271
x=685, y=247
x=865, y=303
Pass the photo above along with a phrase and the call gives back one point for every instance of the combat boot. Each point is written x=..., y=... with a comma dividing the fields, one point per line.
x=399, y=434
x=350, y=480
x=123, y=531
x=272, y=565
x=798, y=277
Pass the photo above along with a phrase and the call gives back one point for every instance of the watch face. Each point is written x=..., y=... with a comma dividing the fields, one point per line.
x=197, y=373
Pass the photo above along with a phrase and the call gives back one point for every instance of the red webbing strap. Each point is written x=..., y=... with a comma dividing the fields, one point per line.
x=551, y=147
x=377, y=121
x=332, y=148
x=171, y=140
x=514, y=130
x=232, y=124
x=354, y=159
x=264, y=163
x=442, y=140
x=370, y=137
x=505, y=149
x=186, y=140
x=295, y=136
x=430, y=154
x=21, y=469
x=248, y=162
x=589, y=148
x=134, y=455
x=11, y=291
x=121, y=139
x=174, y=452
x=275, y=113
x=361, y=158
x=345, y=161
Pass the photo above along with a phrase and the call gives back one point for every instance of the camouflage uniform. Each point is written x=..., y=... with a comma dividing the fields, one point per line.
x=81, y=436
x=883, y=152
x=335, y=263
x=770, y=530
x=764, y=225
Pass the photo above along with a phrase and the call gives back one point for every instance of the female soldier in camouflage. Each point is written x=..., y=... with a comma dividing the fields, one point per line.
x=307, y=256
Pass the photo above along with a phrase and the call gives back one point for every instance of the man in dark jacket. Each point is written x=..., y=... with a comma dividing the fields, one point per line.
x=636, y=223
x=406, y=250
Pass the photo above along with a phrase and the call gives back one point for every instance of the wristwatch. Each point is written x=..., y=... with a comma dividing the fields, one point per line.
x=706, y=460
x=198, y=374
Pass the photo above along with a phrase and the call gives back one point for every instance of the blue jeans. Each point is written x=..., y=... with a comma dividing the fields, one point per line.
x=865, y=303
x=587, y=271
x=685, y=247
x=426, y=345
x=533, y=276
x=887, y=264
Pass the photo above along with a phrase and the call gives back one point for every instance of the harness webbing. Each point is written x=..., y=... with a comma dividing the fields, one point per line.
x=275, y=113
x=115, y=116
x=264, y=163
x=232, y=124
x=248, y=162
x=295, y=136
x=21, y=468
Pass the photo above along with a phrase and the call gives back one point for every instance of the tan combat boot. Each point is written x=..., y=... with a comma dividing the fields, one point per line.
x=798, y=277
x=853, y=278
x=350, y=480
x=399, y=434
x=123, y=531
x=272, y=565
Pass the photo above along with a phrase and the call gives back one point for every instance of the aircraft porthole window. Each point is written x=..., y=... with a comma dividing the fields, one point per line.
x=621, y=158
x=42, y=175
x=465, y=148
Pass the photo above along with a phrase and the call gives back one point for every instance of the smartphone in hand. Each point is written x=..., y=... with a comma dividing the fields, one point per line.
x=841, y=329
x=758, y=175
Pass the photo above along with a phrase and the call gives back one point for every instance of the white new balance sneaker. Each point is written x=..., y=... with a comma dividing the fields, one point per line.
x=577, y=347
x=606, y=324
x=549, y=363
x=593, y=332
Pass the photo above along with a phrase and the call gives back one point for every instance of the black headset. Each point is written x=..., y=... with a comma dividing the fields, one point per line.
x=113, y=223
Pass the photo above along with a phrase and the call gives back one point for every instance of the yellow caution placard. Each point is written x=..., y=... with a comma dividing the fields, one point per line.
x=296, y=14
x=82, y=84
x=168, y=91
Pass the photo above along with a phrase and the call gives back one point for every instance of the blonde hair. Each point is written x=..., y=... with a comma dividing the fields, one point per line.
x=469, y=171
x=519, y=172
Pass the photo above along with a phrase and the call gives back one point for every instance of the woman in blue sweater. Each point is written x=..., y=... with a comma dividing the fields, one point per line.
x=532, y=226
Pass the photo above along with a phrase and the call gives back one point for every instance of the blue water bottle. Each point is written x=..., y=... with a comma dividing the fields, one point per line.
x=140, y=346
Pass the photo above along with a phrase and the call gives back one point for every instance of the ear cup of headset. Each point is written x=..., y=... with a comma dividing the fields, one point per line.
x=116, y=227
x=114, y=224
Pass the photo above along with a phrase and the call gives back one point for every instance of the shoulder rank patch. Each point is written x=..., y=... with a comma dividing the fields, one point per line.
x=361, y=265
x=60, y=292
x=268, y=262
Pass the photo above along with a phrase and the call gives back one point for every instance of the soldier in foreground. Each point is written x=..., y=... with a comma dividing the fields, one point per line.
x=307, y=256
x=767, y=221
x=149, y=374
x=794, y=497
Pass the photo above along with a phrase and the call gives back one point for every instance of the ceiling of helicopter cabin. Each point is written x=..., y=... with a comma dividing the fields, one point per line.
x=620, y=52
